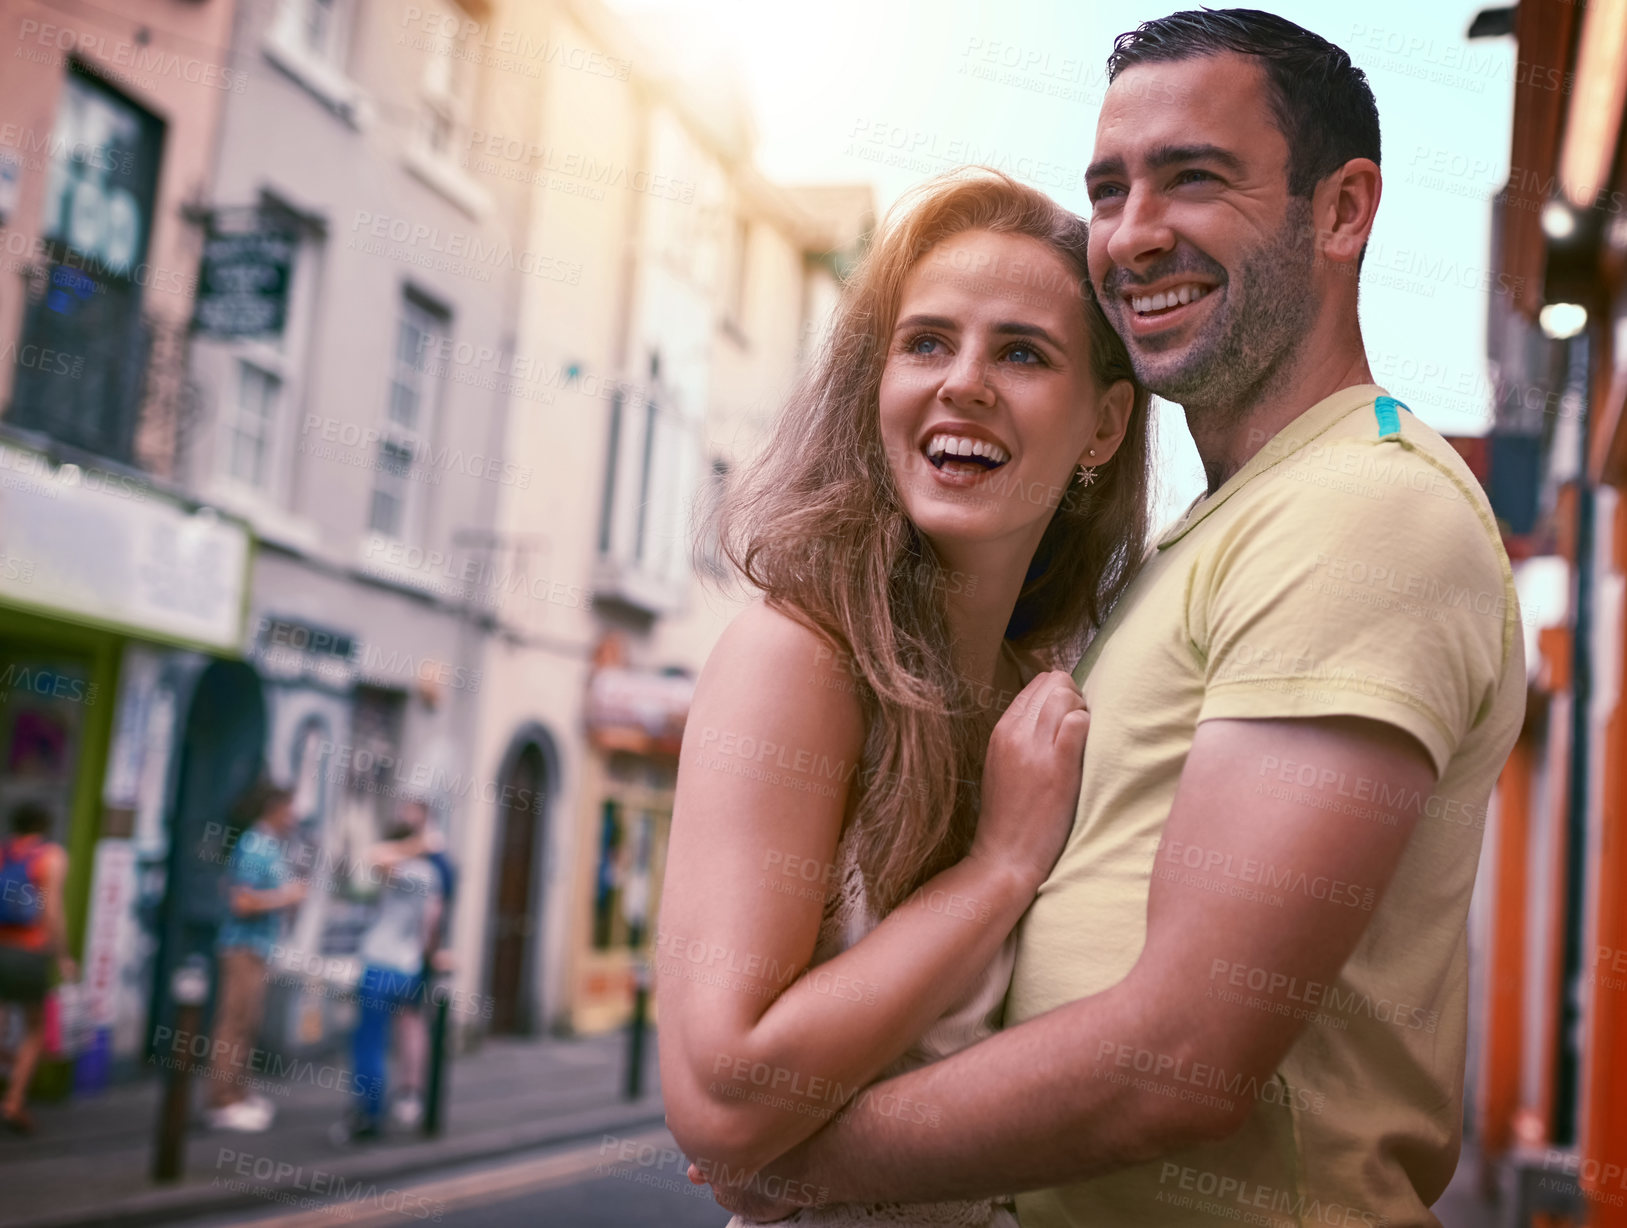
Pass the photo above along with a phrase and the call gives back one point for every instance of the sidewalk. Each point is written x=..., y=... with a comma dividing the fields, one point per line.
x=89, y=1162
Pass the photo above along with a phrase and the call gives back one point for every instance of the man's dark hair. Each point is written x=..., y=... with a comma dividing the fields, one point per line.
x=1322, y=102
x=29, y=819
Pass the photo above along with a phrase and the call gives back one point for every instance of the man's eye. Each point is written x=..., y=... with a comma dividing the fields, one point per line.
x=1105, y=191
x=1194, y=176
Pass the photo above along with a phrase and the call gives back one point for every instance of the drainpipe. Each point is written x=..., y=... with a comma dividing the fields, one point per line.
x=1567, y=1059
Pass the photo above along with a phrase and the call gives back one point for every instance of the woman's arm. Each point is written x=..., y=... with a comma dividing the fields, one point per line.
x=755, y=1056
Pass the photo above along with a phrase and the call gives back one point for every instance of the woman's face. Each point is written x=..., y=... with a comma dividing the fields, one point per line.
x=987, y=400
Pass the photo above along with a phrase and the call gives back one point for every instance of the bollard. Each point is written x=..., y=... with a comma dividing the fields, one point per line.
x=635, y=1031
x=189, y=987
x=435, y=1077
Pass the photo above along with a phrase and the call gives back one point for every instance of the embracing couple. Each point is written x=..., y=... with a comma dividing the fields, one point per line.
x=1240, y=839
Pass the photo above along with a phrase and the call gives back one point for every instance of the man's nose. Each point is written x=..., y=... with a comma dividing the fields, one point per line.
x=1141, y=232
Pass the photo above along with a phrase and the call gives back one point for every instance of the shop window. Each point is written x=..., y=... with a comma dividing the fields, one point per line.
x=43, y=699
x=632, y=850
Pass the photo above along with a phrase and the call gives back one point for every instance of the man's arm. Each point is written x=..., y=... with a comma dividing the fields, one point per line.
x=1076, y=1091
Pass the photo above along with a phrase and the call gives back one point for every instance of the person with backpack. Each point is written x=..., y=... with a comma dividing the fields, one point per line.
x=33, y=943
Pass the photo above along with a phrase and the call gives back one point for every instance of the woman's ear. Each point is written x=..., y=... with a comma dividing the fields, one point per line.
x=1113, y=409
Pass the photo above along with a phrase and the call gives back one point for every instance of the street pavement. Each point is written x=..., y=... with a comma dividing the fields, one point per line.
x=91, y=1159
x=586, y=1185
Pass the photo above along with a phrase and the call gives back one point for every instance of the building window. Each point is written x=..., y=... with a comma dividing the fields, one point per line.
x=84, y=300
x=447, y=85
x=253, y=420
x=408, y=416
x=320, y=19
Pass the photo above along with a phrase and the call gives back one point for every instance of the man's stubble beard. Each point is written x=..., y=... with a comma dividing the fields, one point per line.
x=1269, y=310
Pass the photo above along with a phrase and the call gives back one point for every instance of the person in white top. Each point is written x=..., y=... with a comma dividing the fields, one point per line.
x=956, y=493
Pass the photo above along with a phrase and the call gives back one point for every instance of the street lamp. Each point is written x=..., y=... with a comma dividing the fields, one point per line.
x=1562, y=321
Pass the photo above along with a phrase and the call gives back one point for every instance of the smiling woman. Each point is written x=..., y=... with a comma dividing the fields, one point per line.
x=921, y=533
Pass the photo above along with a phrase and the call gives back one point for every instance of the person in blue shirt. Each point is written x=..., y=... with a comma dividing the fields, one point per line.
x=260, y=892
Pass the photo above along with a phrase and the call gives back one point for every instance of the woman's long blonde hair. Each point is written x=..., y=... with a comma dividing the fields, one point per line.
x=817, y=525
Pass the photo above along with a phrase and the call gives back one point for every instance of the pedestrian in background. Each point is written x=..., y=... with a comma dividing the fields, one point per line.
x=260, y=891
x=394, y=951
x=412, y=1020
x=33, y=943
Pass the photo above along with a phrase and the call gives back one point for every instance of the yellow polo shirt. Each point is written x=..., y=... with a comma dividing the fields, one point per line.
x=1351, y=568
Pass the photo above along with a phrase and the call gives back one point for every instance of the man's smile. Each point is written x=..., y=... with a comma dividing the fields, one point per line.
x=1166, y=307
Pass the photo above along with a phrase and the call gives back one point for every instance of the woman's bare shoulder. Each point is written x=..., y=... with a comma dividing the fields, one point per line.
x=770, y=651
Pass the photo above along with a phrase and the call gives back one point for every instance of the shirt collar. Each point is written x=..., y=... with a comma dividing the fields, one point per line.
x=1314, y=422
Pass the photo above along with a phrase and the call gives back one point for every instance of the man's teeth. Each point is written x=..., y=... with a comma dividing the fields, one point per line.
x=955, y=447
x=1179, y=296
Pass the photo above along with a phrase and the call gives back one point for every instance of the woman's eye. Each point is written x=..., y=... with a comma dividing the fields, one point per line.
x=924, y=345
x=1023, y=354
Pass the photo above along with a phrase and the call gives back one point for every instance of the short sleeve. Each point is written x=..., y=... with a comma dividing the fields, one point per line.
x=1386, y=597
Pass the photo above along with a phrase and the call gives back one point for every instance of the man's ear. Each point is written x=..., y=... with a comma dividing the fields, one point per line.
x=1113, y=410
x=1344, y=206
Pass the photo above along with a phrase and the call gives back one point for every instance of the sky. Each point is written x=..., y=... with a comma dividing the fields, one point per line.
x=892, y=91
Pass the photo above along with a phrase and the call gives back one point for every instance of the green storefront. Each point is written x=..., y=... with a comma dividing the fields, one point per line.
x=109, y=590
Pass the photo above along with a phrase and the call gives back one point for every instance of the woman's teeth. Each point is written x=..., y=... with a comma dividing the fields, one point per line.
x=943, y=448
x=1177, y=297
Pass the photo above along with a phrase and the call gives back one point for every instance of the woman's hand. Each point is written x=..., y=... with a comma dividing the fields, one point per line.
x=1031, y=778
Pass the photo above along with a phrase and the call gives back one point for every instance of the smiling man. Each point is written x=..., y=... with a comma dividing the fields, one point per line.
x=1242, y=992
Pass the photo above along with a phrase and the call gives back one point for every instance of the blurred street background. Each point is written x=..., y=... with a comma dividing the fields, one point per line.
x=365, y=368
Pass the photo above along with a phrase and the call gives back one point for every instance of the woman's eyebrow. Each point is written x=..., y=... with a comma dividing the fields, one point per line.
x=924, y=321
x=1016, y=328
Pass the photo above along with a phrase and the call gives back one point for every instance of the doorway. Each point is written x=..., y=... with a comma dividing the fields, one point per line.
x=514, y=903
